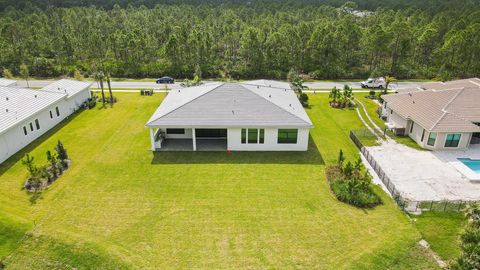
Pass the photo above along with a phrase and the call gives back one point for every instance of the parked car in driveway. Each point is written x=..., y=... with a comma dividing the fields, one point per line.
x=166, y=79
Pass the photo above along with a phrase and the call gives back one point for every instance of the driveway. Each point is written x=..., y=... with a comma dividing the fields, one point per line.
x=422, y=176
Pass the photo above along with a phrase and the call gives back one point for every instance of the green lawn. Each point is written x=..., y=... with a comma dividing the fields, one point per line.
x=371, y=107
x=121, y=207
x=442, y=230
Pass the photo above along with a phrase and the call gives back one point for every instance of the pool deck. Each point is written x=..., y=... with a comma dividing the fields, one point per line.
x=426, y=175
x=451, y=157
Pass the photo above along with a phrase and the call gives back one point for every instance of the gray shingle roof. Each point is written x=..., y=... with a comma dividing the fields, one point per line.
x=451, y=110
x=17, y=104
x=270, y=83
x=230, y=105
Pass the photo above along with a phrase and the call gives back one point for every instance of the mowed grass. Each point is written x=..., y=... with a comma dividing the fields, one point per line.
x=372, y=107
x=121, y=207
x=442, y=231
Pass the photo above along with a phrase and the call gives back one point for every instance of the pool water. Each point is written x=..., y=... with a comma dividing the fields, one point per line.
x=473, y=164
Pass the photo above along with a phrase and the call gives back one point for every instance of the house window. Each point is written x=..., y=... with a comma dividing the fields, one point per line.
x=58, y=111
x=423, y=135
x=287, y=135
x=452, y=140
x=411, y=127
x=179, y=131
x=252, y=135
x=25, y=130
x=431, y=138
x=31, y=126
x=51, y=115
x=37, y=124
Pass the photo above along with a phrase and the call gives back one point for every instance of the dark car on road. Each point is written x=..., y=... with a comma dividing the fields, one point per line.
x=166, y=79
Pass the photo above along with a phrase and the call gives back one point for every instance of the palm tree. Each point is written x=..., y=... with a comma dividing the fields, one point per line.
x=24, y=73
x=110, y=89
x=388, y=80
x=99, y=77
x=334, y=95
x=347, y=94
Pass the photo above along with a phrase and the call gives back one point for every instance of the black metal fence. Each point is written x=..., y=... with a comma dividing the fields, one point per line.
x=404, y=204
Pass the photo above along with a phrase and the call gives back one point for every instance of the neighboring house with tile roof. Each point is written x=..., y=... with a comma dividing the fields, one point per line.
x=444, y=116
x=26, y=114
x=250, y=116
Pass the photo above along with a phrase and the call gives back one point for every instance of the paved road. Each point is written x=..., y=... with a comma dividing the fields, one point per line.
x=149, y=85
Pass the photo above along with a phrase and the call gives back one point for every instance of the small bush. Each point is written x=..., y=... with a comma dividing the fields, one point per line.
x=350, y=185
x=470, y=245
x=349, y=191
x=91, y=102
x=41, y=177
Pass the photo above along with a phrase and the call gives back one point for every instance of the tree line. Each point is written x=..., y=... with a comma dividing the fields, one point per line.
x=323, y=39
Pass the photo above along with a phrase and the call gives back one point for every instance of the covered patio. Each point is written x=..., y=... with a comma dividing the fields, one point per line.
x=187, y=145
x=190, y=139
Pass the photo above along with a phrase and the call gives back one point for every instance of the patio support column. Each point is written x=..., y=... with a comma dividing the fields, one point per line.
x=194, y=139
x=152, y=138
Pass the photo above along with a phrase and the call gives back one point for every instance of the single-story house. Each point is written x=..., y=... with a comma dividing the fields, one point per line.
x=437, y=119
x=7, y=82
x=250, y=116
x=26, y=114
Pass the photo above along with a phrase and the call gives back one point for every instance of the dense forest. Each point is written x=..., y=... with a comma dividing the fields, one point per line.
x=326, y=39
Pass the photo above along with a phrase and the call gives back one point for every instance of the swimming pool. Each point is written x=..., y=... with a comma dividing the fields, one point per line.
x=473, y=164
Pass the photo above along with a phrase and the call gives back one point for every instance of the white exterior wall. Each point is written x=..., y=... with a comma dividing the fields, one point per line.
x=234, y=136
x=442, y=136
x=14, y=139
x=416, y=133
x=74, y=102
x=395, y=119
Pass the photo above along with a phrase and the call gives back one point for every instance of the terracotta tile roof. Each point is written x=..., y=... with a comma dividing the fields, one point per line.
x=450, y=110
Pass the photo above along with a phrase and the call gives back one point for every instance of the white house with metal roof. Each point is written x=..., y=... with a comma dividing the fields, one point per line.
x=26, y=114
x=7, y=82
x=249, y=116
x=442, y=116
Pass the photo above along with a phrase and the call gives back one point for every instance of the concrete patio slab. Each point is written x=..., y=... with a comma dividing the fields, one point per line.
x=422, y=176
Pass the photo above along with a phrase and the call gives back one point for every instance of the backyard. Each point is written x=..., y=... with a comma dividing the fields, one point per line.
x=120, y=206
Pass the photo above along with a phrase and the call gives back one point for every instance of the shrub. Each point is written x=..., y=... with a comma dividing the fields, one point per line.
x=303, y=99
x=470, y=257
x=350, y=185
x=371, y=93
x=61, y=151
x=348, y=192
x=40, y=177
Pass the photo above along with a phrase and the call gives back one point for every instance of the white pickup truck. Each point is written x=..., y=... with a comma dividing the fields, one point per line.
x=374, y=83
